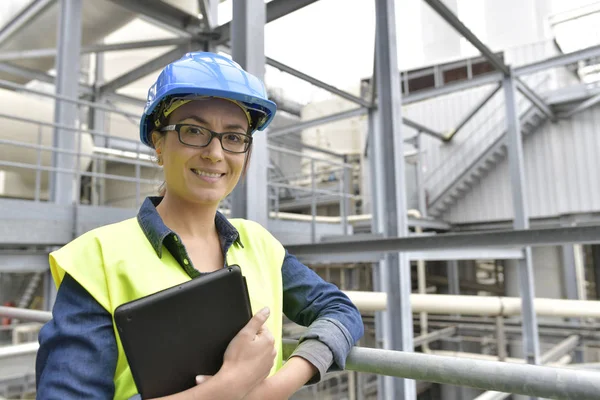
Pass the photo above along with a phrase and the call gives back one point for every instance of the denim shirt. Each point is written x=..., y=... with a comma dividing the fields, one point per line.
x=77, y=357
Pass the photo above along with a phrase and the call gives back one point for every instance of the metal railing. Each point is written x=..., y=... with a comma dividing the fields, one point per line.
x=540, y=381
x=289, y=187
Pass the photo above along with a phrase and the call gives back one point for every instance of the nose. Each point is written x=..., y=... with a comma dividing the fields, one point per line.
x=213, y=152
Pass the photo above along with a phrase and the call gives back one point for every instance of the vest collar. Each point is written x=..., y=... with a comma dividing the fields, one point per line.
x=156, y=231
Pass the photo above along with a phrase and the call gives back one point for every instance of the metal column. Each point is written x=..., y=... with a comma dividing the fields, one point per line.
x=250, y=198
x=531, y=345
x=569, y=272
x=389, y=155
x=98, y=124
x=375, y=176
x=453, y=277
x=67, y=84
x=421, y=195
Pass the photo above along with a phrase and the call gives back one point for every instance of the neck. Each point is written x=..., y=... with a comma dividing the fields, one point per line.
x=188, y=219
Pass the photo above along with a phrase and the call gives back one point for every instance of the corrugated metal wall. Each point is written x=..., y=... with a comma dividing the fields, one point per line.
x=558, y=157
x=561, y=172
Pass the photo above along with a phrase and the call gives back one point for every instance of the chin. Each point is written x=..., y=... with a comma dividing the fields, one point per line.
x=207, y=197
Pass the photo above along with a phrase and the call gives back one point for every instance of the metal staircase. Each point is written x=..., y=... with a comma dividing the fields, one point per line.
x=458, y=183
x=531, y=120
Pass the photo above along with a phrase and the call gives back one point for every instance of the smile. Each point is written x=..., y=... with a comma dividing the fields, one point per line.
x=207, y=174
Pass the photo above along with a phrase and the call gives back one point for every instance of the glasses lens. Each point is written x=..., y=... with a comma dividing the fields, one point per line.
x=235, y=142
x=194, y=135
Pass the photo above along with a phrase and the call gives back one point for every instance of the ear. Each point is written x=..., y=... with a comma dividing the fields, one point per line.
x=157, y=141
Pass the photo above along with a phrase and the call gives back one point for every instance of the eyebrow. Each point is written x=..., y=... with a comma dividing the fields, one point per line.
x=204, y=122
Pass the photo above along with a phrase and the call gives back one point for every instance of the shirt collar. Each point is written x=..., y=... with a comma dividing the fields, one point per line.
x=156, y=231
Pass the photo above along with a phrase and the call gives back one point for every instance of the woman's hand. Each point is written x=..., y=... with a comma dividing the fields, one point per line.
x=249, y=356
x=294, y=374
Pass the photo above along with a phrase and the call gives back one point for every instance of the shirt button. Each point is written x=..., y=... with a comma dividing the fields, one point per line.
x=185, y=261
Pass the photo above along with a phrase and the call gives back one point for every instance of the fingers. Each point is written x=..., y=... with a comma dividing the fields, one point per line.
x=258, y=320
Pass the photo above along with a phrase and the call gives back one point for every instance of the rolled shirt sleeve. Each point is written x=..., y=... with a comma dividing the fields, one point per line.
x=334, y=323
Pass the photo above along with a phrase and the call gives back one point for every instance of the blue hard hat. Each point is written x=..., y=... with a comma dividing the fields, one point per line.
x=207, y=75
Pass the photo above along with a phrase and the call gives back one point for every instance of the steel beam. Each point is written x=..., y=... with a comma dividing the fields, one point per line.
x=165, y=15
x=558, y=61
x=318, y=83
x=472, y=113
x=422, y=128
x=62, y=185
x=569, y=272
x=206, y=9
x=250, y=199
x=388, y=153
x=98, y=48
x=432, y=255
x=421, y=95
x=24, y=18
x=592, y=101
x=453, y=20
x=290, y=141
x=23, y=262
x=26, y=73
x=561, y=349
x=506, y=238
x=355, y=112
x=143, y=70
x=436, y=335
x=531, y=345
x=453, y=277
x=535, y=99
x=419, y=178
x=275, y=10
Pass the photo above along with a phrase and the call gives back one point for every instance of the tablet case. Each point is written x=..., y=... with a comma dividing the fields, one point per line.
x=173, y=335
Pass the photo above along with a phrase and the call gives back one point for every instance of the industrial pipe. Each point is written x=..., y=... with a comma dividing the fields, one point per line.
x=479, y=305
x=526, y=379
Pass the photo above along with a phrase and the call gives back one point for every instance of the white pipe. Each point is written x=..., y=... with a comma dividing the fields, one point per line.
x=479, y=305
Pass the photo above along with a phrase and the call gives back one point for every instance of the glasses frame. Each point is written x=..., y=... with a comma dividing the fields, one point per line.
x=213, y=134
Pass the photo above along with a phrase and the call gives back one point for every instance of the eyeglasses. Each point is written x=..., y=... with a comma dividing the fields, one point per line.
x=198, y=136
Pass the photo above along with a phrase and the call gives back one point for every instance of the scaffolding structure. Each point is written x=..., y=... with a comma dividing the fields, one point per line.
x=31, y=228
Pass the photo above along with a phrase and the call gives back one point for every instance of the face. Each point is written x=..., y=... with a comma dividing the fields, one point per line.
x=202, y=175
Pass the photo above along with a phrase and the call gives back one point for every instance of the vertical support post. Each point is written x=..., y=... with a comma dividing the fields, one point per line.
x=344, y=200
x=500, y=338
x=250, y=199
x=388, y=150
x=49, y=290
x=375, y=178
x=38, y=165
x=453, y=277
x=419, y=178
x=531, y=344
x=212, y=8
x=67, y=84
x=569, y=272
x=99, y=124
x=313, y=202
x=596, y=264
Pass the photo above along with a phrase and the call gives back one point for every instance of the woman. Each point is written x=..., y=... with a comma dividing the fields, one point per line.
x=199, y=119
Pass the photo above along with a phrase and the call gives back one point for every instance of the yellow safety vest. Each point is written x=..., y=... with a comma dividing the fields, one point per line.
x=117, y=264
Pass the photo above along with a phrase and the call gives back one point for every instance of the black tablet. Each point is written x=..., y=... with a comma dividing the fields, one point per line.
x=173, y=335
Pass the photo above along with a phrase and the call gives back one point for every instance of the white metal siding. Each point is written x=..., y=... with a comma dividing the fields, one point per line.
x=561, y=164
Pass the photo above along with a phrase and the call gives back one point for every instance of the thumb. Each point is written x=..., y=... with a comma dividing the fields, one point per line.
x=200, y=379
x=257, y=321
